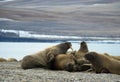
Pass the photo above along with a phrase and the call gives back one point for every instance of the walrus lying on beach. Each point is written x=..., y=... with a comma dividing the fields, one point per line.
x=44, y=58
x=103, y=63
x=11, y=60
x=82, y=50
x=81, y=62
x=69, y=63
x=65, y=62
x=2, y=60
x=81, y=53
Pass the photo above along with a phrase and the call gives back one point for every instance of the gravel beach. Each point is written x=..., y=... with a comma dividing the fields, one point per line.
x=12, y=72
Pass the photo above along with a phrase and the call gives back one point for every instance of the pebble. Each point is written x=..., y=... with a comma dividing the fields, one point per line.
x=11, y=72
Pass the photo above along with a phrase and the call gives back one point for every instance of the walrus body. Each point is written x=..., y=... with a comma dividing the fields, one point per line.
x=82, y=51
x=103, y=63
x=45, y=57
x=2, y=60
x=69, y=63
x=11, y=60
x=116, y=57
x=65, y=62
x=81, y=63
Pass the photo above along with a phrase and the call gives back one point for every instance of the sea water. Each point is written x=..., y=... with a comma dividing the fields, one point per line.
x=20, y=49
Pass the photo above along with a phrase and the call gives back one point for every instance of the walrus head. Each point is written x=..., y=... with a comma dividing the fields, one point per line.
x=83, y=47
x=66, y=46
x=69, y=45
x=69, y=67
x=91, y=56
x=72, y=67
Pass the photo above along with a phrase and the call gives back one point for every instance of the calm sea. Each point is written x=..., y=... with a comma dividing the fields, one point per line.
x=19, y=50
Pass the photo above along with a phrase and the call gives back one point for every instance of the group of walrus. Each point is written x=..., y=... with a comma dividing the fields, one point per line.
x=59, y=58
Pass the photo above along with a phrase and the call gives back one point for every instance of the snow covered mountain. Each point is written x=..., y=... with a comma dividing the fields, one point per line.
x=58, y=18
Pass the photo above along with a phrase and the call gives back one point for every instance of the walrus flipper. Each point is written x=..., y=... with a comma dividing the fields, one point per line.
x=29, y=62
x=50, y=60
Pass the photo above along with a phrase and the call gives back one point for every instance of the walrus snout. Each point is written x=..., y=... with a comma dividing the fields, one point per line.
x=69, y=67
x=69, y=45
x=72, y=67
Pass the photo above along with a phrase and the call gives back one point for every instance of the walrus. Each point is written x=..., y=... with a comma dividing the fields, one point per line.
x=2, y=60
x=115, y=57
x=11, y=60
x=82, y=63
x=65, y=62
x=81, y=53
x=69, y=63
x=103, y=63
x=45, y=57
x=82, y=50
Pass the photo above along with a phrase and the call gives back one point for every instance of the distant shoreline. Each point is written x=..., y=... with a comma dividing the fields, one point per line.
x=17, y=39
x=87, y=39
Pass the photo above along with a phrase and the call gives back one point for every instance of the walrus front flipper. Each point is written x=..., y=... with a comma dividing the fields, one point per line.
x=29, y=62
x=50, y=60
x=85, y=67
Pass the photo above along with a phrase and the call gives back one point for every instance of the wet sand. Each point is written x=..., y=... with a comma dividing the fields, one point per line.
x=12, y=72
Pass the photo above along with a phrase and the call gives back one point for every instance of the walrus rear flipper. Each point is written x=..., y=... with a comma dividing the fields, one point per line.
x=29, y=62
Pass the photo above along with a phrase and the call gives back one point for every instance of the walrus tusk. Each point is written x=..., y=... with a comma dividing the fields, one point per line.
x=71, y=48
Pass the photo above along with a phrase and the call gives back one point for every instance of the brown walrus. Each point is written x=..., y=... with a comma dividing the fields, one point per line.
x=2, y=60
x=65, y=62
x=11, y=60
x=103, y=63
x=82, y=63
x=115, y=57
x=69, y=63
x=45, y=57
x=82, y=51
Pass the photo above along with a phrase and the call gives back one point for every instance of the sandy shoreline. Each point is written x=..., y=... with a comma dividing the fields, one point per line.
x=11, y=72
